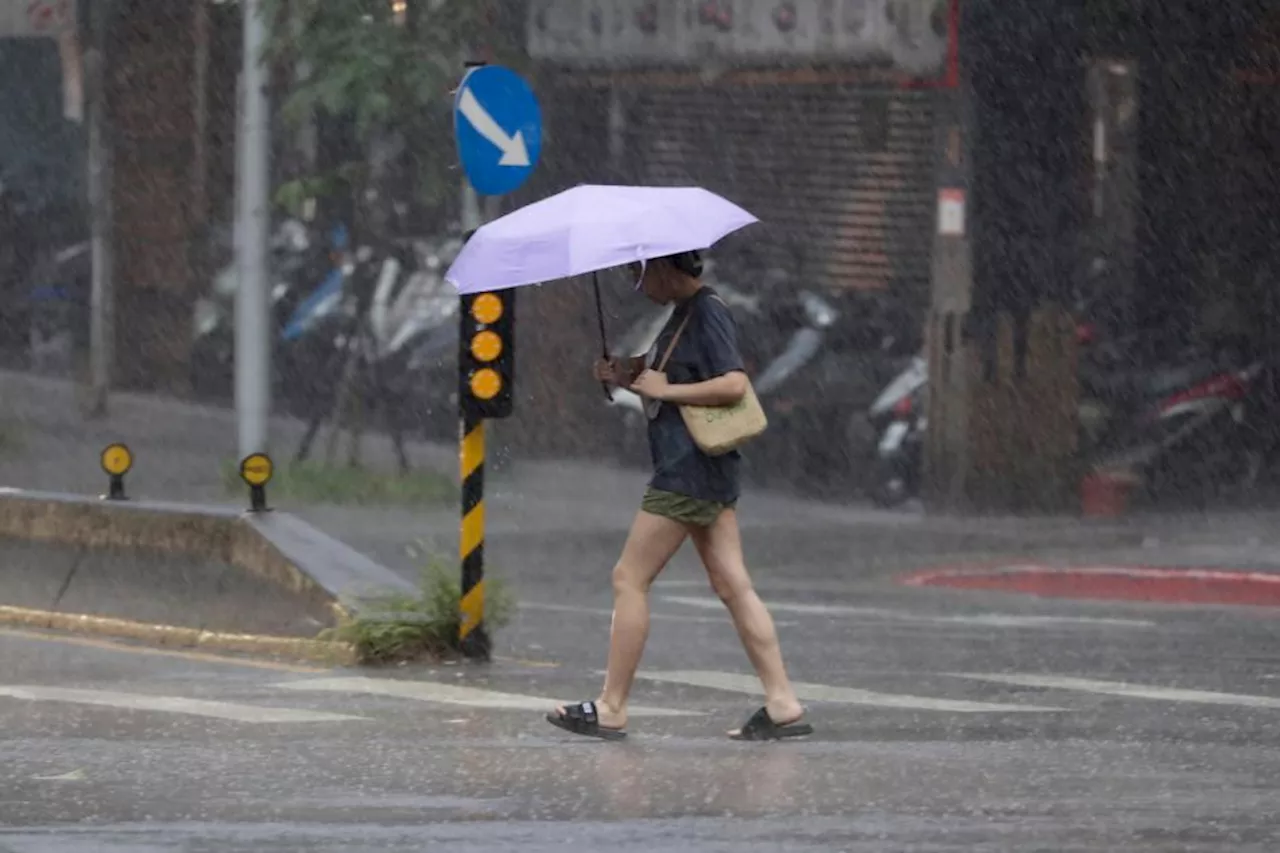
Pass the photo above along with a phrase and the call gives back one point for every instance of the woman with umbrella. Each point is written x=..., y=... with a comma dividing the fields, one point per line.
x=694, y=362
x=691, y=495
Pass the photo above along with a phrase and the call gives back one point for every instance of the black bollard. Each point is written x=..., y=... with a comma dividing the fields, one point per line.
x=256, y=470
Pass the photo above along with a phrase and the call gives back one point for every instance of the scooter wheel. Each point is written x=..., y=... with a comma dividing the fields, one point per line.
x=860, y=463
x=889, y=487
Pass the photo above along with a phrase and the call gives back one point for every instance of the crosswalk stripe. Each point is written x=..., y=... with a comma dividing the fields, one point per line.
x=844, y=695
x=987, y=620
x=453, y=694
x=653, y=617
x=172, y=705
x=1132, y=691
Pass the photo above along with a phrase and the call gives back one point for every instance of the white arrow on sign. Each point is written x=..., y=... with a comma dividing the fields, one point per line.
x=514, y=152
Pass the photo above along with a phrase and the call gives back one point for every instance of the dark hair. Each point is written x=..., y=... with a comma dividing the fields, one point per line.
x=689, y=263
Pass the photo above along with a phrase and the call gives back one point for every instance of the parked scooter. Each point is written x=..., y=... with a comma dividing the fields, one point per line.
x=413, y=320
x=1193, y=428
x=898, y=416
x=296, y=263
x=842, y=348
x=321, y=294
x=1190, y=421
x=58, y=310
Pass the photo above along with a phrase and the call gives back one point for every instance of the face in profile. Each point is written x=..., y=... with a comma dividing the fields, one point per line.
x=654, y=280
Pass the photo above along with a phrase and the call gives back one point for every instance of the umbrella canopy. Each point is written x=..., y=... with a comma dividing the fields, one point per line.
x=590, y=228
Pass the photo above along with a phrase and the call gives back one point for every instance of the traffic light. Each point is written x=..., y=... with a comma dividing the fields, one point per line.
x=488, y=354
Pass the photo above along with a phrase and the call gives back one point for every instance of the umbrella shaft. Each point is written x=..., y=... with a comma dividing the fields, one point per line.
x=604, y=340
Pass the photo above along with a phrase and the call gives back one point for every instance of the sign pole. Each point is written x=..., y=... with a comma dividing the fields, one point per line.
x=473, y=639
x=102, y=297
x=498, y=129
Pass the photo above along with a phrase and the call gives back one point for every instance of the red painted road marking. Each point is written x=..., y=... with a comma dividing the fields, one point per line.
x=1116, y=583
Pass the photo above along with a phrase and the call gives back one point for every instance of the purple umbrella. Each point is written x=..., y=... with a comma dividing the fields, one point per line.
x=591, y=228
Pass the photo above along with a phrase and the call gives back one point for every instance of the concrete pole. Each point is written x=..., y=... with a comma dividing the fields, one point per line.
x=253, y=327
x=102, y=292
x=472, y=216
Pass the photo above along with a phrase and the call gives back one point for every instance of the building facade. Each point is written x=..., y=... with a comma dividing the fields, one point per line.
x=818, y=116
x=1139, y=134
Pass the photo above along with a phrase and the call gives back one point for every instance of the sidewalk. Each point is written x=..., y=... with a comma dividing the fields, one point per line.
x=180, y=448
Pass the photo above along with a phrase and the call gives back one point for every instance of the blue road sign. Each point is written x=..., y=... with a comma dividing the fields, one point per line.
x=498, y=127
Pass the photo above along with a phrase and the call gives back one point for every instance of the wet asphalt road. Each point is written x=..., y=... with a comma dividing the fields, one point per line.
x=945, y=721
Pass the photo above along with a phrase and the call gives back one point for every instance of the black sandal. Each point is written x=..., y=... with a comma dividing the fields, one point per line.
x=762, y=727
x=582, y=719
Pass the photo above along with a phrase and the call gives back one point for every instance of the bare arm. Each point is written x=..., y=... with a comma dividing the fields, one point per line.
x=718, y=350
x=722, y=391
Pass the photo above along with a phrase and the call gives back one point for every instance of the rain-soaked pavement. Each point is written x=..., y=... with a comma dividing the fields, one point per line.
x=945, y=721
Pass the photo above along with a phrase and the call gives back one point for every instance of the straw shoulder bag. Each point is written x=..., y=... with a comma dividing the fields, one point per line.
x=717, y=430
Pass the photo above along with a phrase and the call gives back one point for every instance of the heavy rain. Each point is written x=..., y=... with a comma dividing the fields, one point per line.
x=639, y=425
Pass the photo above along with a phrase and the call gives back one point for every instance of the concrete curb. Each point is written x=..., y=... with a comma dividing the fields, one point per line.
x=323, y=576
x=316, y=651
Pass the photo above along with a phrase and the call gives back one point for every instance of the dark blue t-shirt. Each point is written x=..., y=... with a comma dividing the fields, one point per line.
x=708, y=347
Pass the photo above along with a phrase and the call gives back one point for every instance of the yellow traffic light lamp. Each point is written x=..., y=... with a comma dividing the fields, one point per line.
x=486, y=384
x=487, y=308
x=486, y=346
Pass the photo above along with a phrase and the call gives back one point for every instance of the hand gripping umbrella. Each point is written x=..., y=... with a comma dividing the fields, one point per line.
x=591, y=228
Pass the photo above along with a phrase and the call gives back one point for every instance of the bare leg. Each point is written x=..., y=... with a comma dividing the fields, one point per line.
x=720, y=547
x=653, y=541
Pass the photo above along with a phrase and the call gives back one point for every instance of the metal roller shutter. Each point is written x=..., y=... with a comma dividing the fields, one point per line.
x=842, y=177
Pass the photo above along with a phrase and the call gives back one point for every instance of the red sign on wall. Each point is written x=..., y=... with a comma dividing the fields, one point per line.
x=951, y=212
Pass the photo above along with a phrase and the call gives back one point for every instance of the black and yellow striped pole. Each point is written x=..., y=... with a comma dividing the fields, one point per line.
x=472, y=636
x=487, y=373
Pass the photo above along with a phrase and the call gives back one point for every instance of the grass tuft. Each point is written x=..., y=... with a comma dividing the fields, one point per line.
x=400, y=628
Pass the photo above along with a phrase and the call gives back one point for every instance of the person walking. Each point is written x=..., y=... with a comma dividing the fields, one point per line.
x=695, y=361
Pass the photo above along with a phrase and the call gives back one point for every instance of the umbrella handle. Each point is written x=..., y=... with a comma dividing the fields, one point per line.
x=604, y=343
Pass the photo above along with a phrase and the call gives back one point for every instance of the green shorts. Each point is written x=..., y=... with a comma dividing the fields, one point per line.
x=694, y=511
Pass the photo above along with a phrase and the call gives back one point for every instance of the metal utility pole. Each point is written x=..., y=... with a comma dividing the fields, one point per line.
x=253, y=341
x=471, y=217
x=102, y=291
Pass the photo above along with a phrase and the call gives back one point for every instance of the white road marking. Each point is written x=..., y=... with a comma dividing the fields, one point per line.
x=76, y=775
x=988, y=620
x=844, y=695
x=453, y=694
x=172, y=705
x=653, y=617
x=1132, y=691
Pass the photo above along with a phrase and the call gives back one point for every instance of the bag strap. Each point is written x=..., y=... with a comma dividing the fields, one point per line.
x=662, y=365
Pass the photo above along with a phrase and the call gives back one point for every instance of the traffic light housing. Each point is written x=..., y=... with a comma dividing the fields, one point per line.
x=487, y=355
